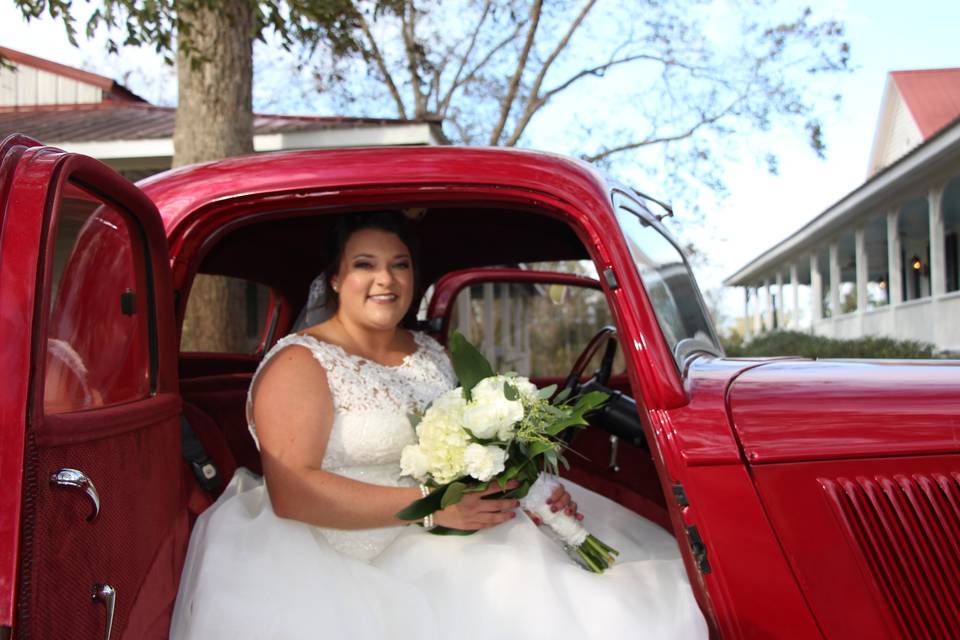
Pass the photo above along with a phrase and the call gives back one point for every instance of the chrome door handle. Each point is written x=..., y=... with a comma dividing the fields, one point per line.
x=108, y=596
x=613, y=465
x=75, y=479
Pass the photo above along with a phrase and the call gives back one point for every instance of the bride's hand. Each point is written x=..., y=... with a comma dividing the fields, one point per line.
x=560, y=499
x=473, y=512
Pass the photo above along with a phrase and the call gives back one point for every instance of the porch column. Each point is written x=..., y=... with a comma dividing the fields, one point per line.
x=816, y=291
x=489, y=325
x=795, y=287
x=938, y=263
x=506, y=316
x=757, y=322
x=747, y=320
x=768, y=306
x=834, y=279
x=780, y=308
x=863, y=273
x=894, y=279
x=464, y=313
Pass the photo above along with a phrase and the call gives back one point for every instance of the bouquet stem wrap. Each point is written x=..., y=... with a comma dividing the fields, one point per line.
x=583, y=547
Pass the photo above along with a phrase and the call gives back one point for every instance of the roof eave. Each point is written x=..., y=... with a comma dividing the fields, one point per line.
x=921, y=160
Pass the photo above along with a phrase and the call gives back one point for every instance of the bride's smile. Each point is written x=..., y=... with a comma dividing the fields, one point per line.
x=375, y=280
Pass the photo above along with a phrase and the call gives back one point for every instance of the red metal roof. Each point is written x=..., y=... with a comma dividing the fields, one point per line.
x=111, y=89
x=109, y=121
x=932, y=95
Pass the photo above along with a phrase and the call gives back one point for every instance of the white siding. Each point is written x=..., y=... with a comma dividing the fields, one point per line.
x=897, y=132
x=24, y=86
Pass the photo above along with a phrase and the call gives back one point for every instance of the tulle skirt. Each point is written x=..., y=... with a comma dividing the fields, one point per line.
x=250, y=574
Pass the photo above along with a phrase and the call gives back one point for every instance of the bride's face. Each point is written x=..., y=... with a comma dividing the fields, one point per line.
x=375, y=280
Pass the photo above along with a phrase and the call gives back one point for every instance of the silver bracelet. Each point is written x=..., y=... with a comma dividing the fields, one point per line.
x=428, y=519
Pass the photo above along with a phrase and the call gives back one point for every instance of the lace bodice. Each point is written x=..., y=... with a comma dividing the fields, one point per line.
x=371, y=403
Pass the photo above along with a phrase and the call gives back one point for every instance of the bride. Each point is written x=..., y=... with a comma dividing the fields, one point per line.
x=314, y=549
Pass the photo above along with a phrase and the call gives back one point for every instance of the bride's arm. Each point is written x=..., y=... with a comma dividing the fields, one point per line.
x=293, y=411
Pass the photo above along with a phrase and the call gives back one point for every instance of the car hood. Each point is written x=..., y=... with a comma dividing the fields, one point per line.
x=793, y=410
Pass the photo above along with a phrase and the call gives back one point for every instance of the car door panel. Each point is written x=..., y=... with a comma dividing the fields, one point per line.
x=102, y=401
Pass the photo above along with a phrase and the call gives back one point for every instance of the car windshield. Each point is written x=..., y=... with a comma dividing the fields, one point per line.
x=670, y=286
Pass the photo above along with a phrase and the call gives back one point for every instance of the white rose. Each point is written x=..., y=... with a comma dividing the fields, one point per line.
x=489, y=413
x=413, y=462
x=484, y=462
x=527, y=389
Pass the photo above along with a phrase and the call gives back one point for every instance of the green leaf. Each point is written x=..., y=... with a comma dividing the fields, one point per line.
x=540, y=447
x=441, y=530
x=547, y=392
x=474, y=488
x=453, y=494
x=468, y=363
x=423, y=507
x=563, y=395
x=414, y=419
x=510, y=392
x=591, y=401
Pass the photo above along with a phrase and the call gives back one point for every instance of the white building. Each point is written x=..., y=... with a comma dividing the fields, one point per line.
x=91, y=114
x=883, y=260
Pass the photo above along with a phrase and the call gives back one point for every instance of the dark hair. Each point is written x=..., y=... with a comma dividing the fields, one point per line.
x=347, y=225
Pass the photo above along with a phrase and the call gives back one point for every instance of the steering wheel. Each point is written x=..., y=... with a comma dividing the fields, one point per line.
x=606, y=335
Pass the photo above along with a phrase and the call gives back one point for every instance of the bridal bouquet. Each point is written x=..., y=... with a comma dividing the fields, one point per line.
x=498, y=428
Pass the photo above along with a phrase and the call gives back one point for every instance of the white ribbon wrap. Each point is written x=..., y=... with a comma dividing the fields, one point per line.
x=566, y=527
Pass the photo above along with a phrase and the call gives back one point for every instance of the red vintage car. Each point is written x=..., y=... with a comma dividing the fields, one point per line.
x=809, y=499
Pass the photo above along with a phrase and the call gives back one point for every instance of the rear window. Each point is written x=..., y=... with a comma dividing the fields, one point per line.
x=227, y=315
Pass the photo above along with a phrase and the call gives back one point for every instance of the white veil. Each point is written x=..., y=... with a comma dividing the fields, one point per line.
x=316, y=310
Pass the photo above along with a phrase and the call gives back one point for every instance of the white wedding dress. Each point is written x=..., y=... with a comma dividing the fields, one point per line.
x=250, y=574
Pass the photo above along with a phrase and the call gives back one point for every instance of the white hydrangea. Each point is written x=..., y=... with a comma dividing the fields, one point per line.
x=489, y=414
x=442, y=442
x=484, y=462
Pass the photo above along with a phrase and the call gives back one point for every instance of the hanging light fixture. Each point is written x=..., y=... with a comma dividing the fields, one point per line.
x=916, y=264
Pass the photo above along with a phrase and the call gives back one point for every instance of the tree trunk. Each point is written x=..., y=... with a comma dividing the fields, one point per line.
x=214, y=120
x=215, y=78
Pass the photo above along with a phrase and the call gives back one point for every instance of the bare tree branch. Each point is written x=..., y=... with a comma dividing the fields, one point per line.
x=381, y=65
x=466, y=55
x=676, y=137
x=534, y=101
x=470, y=75
x=515, y=80
x=534, y=104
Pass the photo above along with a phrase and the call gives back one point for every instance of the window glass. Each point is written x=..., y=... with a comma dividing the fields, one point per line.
x=536, y=330
x=98, y=337
x=669, y=284
x=226, y=315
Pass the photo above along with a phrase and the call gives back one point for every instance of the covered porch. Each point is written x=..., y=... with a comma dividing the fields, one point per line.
x=883, y=261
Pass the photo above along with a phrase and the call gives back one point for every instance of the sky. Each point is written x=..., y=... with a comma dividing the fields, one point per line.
x=761, y=209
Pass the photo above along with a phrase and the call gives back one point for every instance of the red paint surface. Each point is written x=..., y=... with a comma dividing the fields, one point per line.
x=24, y=176
x=802, y=410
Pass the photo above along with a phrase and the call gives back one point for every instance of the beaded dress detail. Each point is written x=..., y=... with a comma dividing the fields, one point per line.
x=370, y=428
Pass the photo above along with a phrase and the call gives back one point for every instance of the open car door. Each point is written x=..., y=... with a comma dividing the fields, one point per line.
x=556, y=328
x=97, y=524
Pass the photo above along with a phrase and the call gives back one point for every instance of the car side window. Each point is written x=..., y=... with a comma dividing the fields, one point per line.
x=537, y=330
x=227, y=315
x=98, y=339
